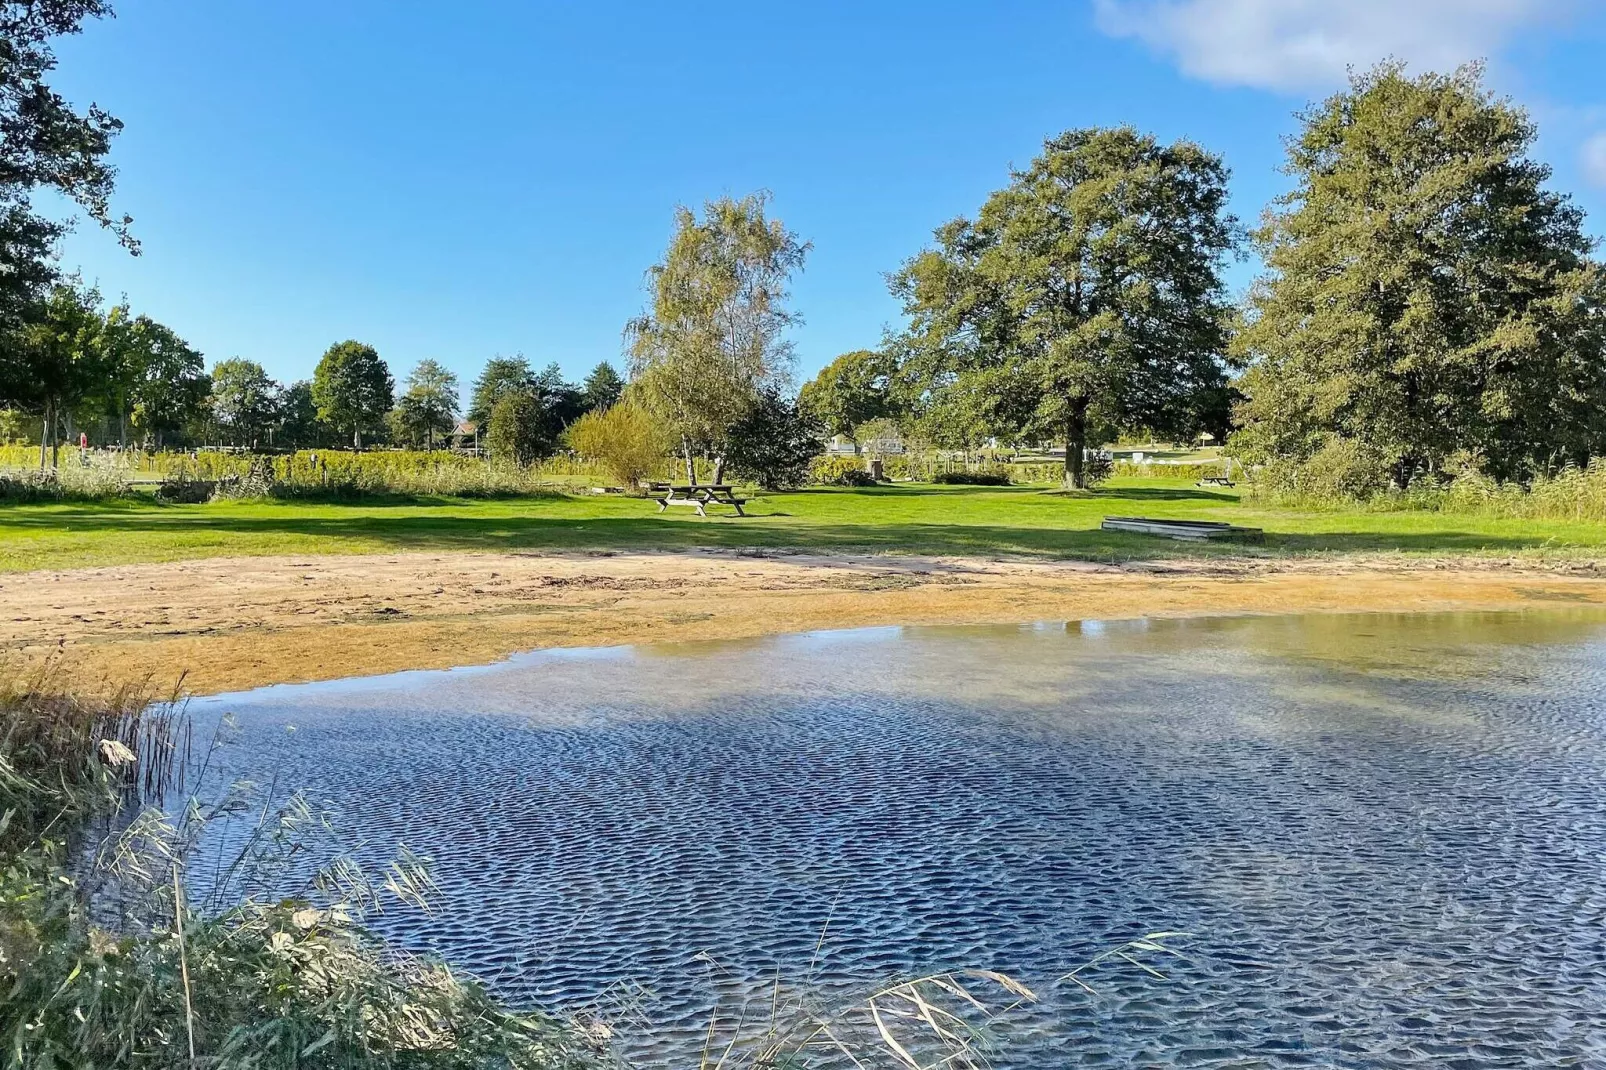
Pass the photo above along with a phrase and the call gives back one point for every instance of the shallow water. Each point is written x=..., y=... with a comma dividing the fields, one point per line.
x=1386, y=835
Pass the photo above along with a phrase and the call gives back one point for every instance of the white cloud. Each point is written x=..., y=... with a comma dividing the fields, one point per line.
x=1308, y=44
x=1595, y=159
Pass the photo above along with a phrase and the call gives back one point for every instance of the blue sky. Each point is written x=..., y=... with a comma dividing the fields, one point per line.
x=494, y=176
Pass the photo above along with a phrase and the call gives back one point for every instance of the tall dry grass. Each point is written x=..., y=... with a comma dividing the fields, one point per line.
x=305, y=475
x=1571, y=494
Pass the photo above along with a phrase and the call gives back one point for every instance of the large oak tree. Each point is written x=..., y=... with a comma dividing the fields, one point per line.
x=1085, y=297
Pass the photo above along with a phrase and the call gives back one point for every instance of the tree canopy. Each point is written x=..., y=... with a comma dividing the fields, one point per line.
x=602, y=387
x=352, y=389
x=167, y=385
x=1429, y=302
x=849, y=392
x=501, y=375
x=56, y=358
x=1086, y=296
x=47, y=145
x=244, y=401
x=428, y=407
x=713, y=335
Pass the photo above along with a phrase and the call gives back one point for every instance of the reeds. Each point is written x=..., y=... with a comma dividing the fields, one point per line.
x=1571, y=493
x=945, y=1019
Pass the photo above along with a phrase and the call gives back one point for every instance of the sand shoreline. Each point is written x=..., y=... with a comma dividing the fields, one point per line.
x=229, y=624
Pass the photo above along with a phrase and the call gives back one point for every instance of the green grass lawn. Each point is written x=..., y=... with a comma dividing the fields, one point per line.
x=906, y=518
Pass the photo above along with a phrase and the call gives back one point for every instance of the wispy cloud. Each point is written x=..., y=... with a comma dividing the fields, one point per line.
x=1296, y=45
x=1595, y=159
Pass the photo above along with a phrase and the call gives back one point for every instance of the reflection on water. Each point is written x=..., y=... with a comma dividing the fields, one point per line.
x=1386, y=833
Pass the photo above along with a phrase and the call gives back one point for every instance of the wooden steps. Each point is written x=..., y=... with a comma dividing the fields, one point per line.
x=1183, y=530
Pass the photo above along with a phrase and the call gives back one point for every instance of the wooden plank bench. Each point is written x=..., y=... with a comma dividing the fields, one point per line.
x=1216, y=481
x=1183, y=530
x=698, y=496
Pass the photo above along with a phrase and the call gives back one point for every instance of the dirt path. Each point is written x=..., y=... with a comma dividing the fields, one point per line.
x=233, y=623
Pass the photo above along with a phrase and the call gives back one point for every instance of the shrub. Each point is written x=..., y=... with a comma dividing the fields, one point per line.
x=522, y=430
x=775, y=443
x=68, y=483
x=624, y=439
x=966, y=478
x=828, y=471
x=1342, y=470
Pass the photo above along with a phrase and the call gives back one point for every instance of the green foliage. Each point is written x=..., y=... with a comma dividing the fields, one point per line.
x=500, y=376
x=244, y=401
x=625, y=439
x=602, y=388
x=165, y=382
x=428, y=407
x=352, y=389
x=56, y=358
x=1340, y=470
x=14, y=426
x=299, y=427
x=522, y=430
x=851, y=391
x=970, y=477
x=1428, y=297
x=774, y=443
x=50, y=146
x=1086, y=296
x=828, y=471
x=711, y=340
x=563, y=401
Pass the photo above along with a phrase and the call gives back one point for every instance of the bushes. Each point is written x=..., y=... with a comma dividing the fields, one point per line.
x=1341, y=481
x=522, y=430
x=69, y=483
x=775, y=444
x=624, y=439
x=973, y=478
x=830, y=471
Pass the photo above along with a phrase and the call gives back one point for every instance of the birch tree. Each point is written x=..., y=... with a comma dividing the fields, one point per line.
x=712, y=337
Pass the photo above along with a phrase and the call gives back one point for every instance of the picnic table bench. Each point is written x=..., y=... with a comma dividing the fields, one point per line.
x=697, y=495
x=1215, y=481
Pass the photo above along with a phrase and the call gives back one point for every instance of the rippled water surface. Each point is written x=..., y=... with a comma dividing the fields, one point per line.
x=1386, y=834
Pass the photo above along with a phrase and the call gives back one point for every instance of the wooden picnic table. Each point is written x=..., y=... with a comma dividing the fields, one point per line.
x=697, y=495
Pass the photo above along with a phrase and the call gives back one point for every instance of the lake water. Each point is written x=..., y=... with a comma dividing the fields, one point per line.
x=1385, y=834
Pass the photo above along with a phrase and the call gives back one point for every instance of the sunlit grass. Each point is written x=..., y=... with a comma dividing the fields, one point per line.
x=915, y=519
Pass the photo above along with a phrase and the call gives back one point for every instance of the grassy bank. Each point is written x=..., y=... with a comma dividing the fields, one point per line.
x=905, y=518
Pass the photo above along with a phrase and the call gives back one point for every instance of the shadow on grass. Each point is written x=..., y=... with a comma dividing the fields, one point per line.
x=761, y=531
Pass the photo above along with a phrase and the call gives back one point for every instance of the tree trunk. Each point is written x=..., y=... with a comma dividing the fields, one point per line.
x=719, y=469
x=1076, y=445
x=44, y=432
x=691, y=466
x=356, y=439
